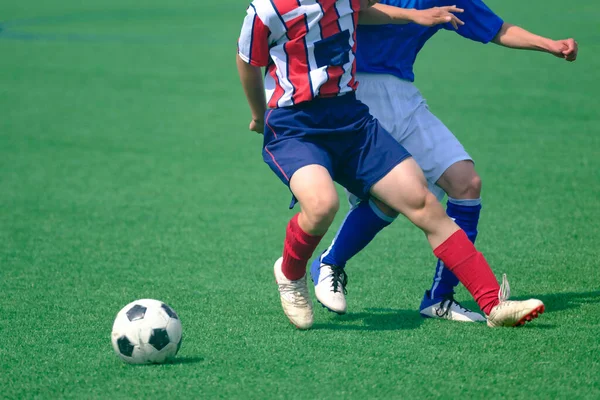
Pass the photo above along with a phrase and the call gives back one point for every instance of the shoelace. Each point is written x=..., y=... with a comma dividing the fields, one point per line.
x=446, y=306
x=339, y=277
x=297, y=294
x=504, y=293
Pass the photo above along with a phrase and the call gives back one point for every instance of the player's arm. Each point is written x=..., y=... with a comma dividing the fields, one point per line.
x=381, y=14
x=253, y=53
x=518, y=38
x=252, y=82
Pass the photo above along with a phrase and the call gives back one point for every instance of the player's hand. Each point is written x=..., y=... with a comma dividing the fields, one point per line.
x=439, y=15
x=566, y=49
x=257, y=125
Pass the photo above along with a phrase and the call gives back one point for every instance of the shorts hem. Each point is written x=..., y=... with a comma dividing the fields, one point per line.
x=441, y=170
x=306, y=165
x=294, y=200
x=367, y=193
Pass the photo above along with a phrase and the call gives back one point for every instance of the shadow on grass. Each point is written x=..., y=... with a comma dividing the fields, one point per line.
x=386, y=319
x=567, y=301
x=554, y=301
x=176, y=361
x=375, y=319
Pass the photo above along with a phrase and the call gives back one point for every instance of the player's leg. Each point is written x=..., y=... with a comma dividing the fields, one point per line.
x=305, y=167
x=463, y=186
x=313, y=187
x=405, y=190
x=445, y=161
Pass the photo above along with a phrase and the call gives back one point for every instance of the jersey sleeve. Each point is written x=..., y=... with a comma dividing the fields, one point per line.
x=253, y=44
x=481, y=23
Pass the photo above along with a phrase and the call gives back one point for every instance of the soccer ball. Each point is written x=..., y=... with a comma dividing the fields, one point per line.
x=146, y=331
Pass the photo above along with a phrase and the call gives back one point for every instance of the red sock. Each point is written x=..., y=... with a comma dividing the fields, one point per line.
x=470, y=267
x=298, y=247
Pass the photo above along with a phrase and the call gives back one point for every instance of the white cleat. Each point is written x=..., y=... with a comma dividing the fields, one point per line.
x=295, y=299
x=449, y=309
x=330, y=288
x=513, y=313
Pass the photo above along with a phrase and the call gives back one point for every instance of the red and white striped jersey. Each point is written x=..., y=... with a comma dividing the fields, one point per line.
x=308, y=47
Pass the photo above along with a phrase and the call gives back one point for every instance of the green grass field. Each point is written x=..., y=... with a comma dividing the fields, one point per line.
x=127, y=171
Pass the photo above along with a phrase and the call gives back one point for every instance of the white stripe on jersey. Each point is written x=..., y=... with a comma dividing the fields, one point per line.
x=335, y=6
x=308, y=7
x=269, y=87
x=314, y=14
x=278, y=37
x=269, y=17
x=245, y=41
x=312, y=10
x=281, y=60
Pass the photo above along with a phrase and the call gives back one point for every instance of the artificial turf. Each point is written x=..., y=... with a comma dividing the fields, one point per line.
x=127, y=171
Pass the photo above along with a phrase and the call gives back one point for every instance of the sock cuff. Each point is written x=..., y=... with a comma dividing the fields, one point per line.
x=379, y=213
x=296, y=230
x=465, y=202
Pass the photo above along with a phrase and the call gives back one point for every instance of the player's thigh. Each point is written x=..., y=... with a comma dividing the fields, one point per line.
x=404, y=188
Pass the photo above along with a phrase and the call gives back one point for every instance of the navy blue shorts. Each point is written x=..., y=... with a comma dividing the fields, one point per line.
x=337, y=133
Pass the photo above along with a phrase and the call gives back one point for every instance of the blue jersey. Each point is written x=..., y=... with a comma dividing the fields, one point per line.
x=393, y=49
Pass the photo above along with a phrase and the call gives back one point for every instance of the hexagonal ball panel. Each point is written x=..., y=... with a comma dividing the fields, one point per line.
x=136, y=312
x=159, y=338
x=125, y=346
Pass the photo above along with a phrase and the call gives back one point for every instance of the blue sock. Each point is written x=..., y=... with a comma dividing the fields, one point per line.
x=466, y=215
x=361, y=225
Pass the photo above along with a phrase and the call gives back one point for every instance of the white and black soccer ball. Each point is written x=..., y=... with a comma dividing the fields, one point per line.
x=146, y=331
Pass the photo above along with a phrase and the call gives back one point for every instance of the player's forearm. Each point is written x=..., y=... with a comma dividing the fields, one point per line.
x=518, y=38
x=252, y=82
x=381, y=14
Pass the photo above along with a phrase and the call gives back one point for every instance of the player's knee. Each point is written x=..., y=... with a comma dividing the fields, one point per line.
x=461, y=181
x=475, y=184
x=321, y=209
x=470, y=188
